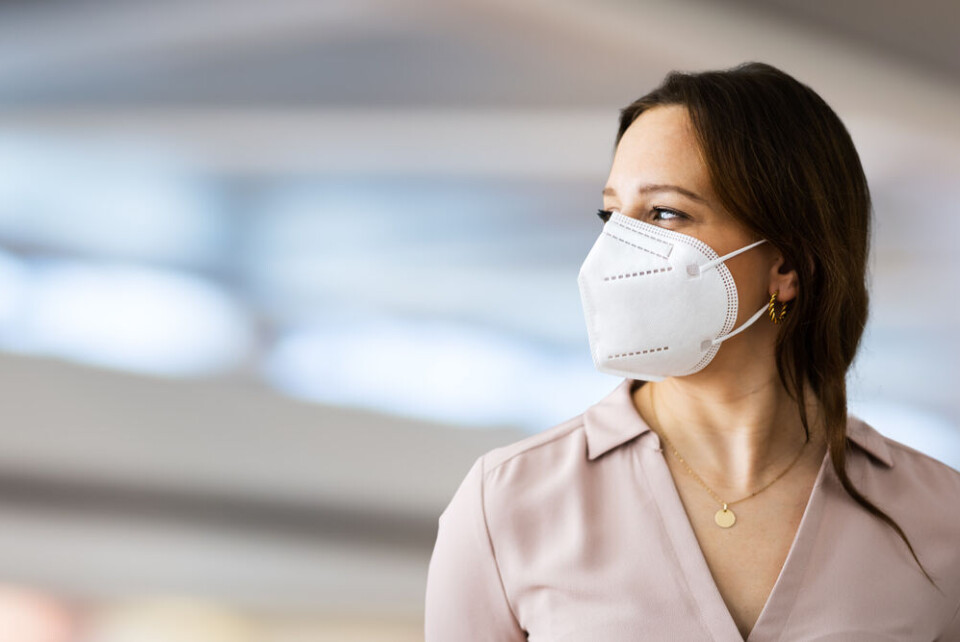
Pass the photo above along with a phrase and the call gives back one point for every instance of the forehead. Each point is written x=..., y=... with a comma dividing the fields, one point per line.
x=660, y=146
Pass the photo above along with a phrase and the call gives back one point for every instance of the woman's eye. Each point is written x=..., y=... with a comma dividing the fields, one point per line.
x=604, y=215
x=665, y=214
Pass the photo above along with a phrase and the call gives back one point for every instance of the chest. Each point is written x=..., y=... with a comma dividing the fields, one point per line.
x=615, y=555
x=746, y=559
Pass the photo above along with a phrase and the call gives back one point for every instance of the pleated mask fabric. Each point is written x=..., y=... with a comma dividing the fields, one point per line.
x=657, y=303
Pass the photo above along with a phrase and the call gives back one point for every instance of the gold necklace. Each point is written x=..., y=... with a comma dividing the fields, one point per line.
x=725, y=518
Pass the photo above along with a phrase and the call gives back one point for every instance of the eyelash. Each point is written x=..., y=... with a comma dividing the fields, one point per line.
x=605, y=214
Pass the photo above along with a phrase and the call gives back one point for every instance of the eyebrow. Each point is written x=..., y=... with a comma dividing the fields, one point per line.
x=660, y=187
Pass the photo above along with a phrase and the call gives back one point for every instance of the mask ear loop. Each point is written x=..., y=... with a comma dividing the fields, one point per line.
x=746, y=324
x=696, y=270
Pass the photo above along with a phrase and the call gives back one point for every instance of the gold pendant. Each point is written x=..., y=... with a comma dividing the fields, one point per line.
x=725, y=517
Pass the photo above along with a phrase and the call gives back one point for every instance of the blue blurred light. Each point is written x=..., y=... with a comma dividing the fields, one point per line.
x=134, y=318
x=106, y=203
x=14, y=277
x=439, y=371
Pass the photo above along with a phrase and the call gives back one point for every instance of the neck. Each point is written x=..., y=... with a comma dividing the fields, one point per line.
x=734, y=431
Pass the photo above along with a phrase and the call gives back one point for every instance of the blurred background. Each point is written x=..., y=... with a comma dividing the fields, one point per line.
x=273, y=274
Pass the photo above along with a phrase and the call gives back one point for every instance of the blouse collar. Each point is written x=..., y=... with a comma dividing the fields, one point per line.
x=614, y=421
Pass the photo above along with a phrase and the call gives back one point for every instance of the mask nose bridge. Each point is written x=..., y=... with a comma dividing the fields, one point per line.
x=640, y=240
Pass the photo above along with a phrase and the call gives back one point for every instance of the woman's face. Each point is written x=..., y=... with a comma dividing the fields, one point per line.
x=659, y=177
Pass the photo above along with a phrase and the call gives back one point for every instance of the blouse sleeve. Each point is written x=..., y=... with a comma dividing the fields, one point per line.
x=465, y=598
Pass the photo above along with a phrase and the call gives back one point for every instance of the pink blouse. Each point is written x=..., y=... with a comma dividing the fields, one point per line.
x=578, y=534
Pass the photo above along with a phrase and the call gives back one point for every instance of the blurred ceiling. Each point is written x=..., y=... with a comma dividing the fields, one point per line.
x=416, y=53
x=922, y=33
x=343, y=86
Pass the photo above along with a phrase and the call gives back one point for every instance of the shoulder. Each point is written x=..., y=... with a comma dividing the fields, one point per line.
x=926, y=483
x=562, y=440
x=913, y=473
x=921, y=493
x=524, y=481
x=517, y=469
x=923, y=467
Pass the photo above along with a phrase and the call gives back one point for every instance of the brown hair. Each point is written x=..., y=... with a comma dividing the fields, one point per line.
x=782, y=163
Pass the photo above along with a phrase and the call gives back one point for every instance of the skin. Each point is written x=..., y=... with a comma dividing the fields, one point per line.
x=733, y=422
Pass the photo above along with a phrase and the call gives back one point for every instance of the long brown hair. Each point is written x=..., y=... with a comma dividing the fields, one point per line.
x=783, y=164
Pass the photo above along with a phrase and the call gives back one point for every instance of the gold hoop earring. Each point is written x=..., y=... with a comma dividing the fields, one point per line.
x=775, y=316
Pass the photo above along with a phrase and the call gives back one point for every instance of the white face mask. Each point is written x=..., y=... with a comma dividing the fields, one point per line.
x=658, y=303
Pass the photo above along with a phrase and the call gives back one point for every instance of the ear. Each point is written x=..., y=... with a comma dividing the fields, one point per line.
x=783, y=278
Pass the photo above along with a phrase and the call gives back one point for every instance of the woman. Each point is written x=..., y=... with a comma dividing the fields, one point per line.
x=721, y=492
